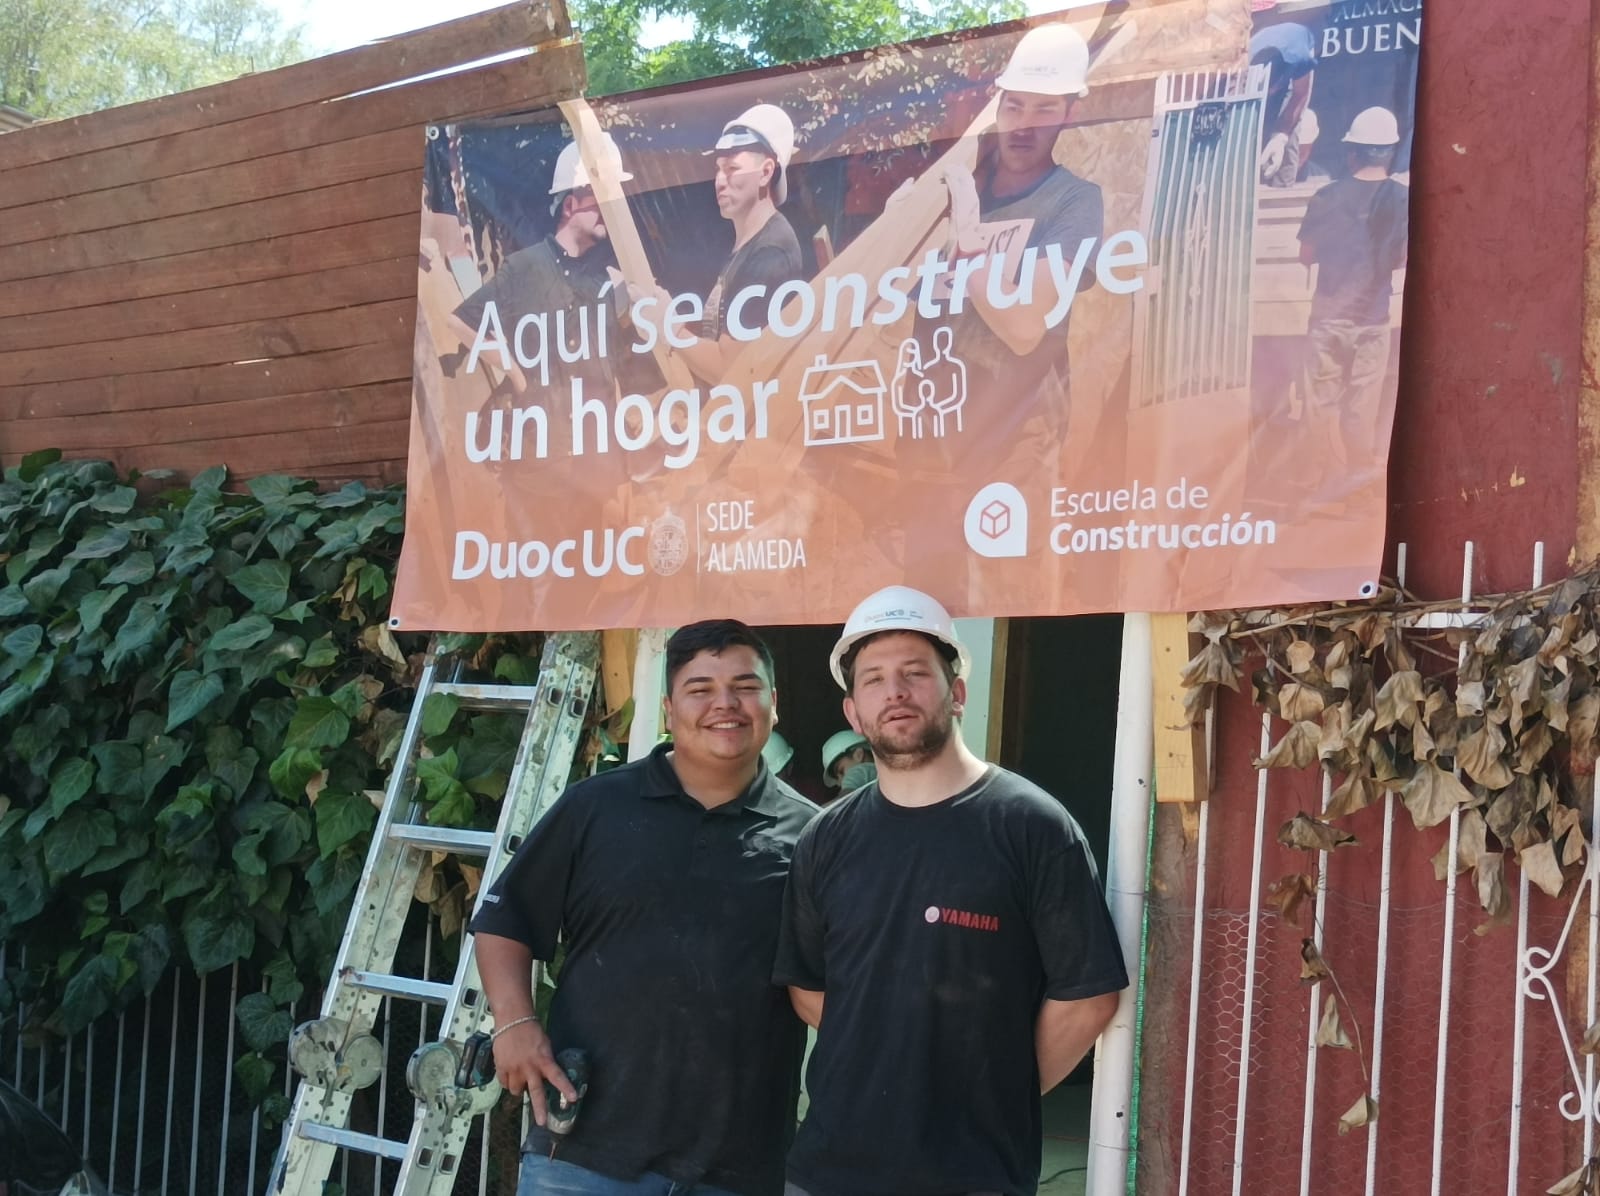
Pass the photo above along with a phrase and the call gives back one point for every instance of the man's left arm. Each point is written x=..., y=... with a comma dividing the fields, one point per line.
x=1064, y=1032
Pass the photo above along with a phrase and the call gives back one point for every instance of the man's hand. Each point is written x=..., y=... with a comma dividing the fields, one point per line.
x=523, y=1061
x=1272, y=154
x=964, y=218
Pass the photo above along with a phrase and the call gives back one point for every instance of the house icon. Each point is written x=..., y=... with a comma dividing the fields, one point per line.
x=842, y=403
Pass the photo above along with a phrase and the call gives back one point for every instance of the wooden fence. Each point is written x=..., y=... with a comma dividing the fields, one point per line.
x=228, y=275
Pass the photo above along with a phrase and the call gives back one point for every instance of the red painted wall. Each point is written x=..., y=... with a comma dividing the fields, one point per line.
x=1486, y=449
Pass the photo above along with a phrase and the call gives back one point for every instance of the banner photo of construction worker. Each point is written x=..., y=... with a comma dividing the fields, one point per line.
x=1094, y=312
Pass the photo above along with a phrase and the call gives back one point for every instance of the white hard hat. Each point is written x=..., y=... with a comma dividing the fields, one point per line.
x=768, y=127
x=571, y=173
x=838, y=744
x=1374, y=126
x=1307, y=128
x=1050, y=60
x=898, y=608
x=776, y=752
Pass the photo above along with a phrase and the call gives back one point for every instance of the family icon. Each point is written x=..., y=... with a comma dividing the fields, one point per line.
x=934, y=388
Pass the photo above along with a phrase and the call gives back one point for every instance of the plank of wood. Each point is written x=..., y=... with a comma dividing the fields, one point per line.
x=536, y=78
x=319, y=290
x=437, y=47
x=618, y=650
x=621, y=231
x=331, y=369
x=359, y=158
x=999, y=658
x=275, y=257
x=299, y=212
x=314, y=412
x=1180, y=750
x=390, y=323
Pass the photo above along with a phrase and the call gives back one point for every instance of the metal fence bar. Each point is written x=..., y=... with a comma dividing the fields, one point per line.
x=1250, y=964
x=1447, y=967
x=227, y=1082
x=1381, y=994
x=144, y=1071
x=1306, y=1129
x=88, y=1083
x=199, y=1059
x=383, y=1093
x=116, y=1100
x=1194, y=996
x=483, y=1160
x=1594, y=942
x=172, y=1075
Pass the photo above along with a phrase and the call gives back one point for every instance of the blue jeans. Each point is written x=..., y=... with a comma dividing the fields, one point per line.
x=544, y=1176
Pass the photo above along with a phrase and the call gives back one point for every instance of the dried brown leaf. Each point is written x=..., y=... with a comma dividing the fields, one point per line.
x=1538, y=862
x=1471, y=843
x=1491, y=877
x=473, y=878
x=1591, y=1041
x=1304, y=833
x=1211, y=624
x=1297, y=702
x=1356, y=792
x=1570, y=1185
x=1297, y=748
x=1211, y=666
x=1330, y=1031
x=315, y=786
x=1533, y=746
x=1553, y=704
x=1398, y=699
x=1312, y=966
x=1363, y=1112
x=1506, y=811
x=1480, y=757
x=1335, y=722
x=1340, y=653
x=1470, y=698
x=1422, y=745
x=430, y=885
x=1369, y=631
x=1522, y=683
x=1431, y=794
x=1582, y=716
x=1288, y=893
x=1566, y=831
x=1300, y=654
x=1383, y=768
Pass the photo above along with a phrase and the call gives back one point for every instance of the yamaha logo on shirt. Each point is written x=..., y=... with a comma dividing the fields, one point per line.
x=936, y=914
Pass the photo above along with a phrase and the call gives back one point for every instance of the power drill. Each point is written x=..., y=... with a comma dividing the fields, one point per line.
x=560, y=1114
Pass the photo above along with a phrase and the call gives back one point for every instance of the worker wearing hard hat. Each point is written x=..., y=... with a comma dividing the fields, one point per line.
x=1289, y=51
x=777, y=753
x=751, y=182
x=844, y=751
x=663, y=880
x=949, y=917
x=562, y=277
x=1019, y=197
x=1354, y=232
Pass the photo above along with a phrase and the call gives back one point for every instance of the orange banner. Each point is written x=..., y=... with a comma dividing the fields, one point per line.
x=1098, y=314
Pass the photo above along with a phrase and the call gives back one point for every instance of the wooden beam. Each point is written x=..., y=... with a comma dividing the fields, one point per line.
x=619, y=651
x=999, y=654
x=1181, y=773
x=435, y=48
x=539, y=77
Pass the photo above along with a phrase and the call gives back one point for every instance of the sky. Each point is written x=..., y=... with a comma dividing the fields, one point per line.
x=338, y=26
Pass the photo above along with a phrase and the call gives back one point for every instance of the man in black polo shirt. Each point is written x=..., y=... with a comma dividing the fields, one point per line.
x=948, y=919
x=664, y=878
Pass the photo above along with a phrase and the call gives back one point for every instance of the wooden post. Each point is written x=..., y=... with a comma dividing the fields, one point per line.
x=1181, y=773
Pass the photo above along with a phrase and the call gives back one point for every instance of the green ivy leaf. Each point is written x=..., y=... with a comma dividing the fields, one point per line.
x=12, y=601
x=256, y=1076
x=321, y=653
x=118, y=500
x=342, y=817
x=130, y=845
x=317, y=723
x=262, y=1023
x=35, y=464
x=98, y=543
x=134, y=569
x=246, y=633
x=93, y=609
x=73, y=842
x=189, y=694
x=209, y=479
x=70, y=781
x=121, y=768
x=265, y=584
x=334, y=878
x=455, y=807
x=291, y=770
x=217, y=931
x=27, y=683
x=90, y=992
x=437, y=712
x=23, y=643
x=42, y=589
x=145, y=621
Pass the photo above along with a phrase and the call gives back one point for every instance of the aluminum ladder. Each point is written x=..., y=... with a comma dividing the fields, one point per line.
x=336, y=1054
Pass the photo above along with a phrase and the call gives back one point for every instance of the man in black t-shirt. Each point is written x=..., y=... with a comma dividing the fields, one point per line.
x=1355, y=231
x=664, y=878
x=944, y=930
x=752, y=181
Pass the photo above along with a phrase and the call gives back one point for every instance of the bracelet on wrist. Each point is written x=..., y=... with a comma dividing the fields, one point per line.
x=511, y=1025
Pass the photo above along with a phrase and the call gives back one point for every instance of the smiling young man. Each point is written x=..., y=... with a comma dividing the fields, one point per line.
x=664, y=878
x=944, y=930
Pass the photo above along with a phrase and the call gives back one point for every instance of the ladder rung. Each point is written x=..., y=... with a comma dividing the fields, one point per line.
x=352, y=1140
x=489, y=697
x=400, y=986
x=443, y=838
